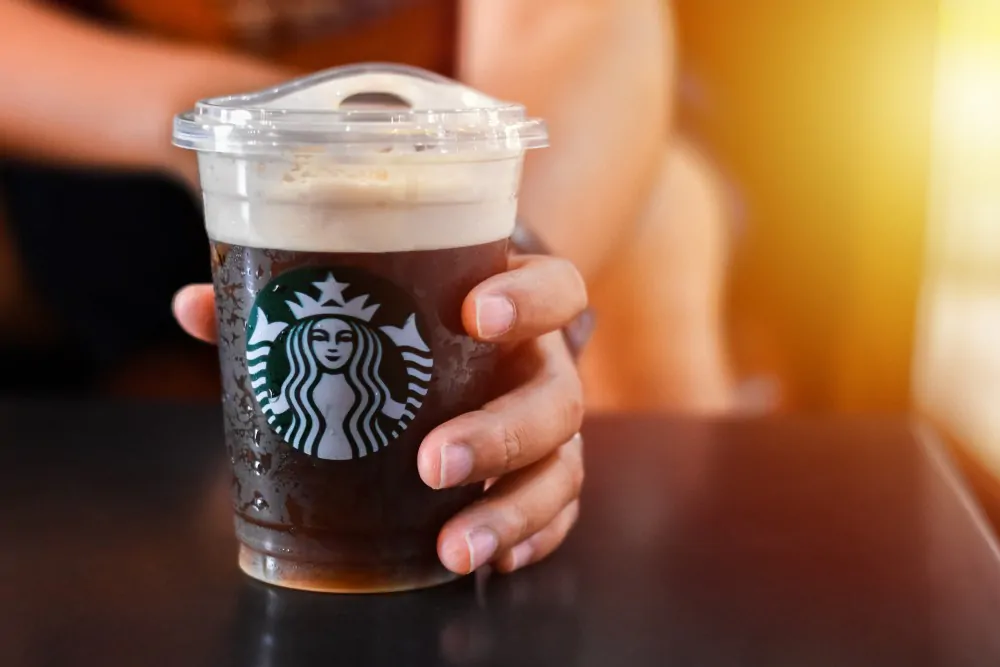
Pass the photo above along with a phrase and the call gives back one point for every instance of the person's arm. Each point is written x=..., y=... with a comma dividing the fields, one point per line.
x=600, y=72
x=76, y=93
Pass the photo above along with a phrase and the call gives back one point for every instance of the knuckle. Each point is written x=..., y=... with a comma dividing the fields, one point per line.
x=518, y=523
x=573, y=513
x=512, y=441
x=571, y=457
x=568, y=519
x=576, y=479
x=575, y=285
x=572, y=408
x=554, y=287
x=580, y=287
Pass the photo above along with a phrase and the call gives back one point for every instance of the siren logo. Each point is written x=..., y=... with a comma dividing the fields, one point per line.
x=337, y=361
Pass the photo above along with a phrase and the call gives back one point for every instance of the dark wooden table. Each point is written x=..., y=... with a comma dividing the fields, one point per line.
x=791, y=542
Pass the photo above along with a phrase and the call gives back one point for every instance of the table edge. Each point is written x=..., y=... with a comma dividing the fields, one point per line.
x=937, y=453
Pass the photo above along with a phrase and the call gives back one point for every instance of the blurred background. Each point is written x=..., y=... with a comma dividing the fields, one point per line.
x=863, y=139
x=820, y=115
x=858, y=142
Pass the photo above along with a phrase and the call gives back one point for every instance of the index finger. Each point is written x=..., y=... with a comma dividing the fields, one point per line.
x=537, y=296
x=194, y=308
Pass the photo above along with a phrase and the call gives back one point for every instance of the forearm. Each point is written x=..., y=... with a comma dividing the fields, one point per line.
x=600, y=72
x=76, y=93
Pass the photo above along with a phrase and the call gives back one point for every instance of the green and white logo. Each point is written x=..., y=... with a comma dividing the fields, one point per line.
x=337, y=377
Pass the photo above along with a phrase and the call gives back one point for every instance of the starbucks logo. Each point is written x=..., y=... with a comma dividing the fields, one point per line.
x=337, y=361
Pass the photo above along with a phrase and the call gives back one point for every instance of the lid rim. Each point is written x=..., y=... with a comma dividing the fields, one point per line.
x=247, y=124
x=334, y=120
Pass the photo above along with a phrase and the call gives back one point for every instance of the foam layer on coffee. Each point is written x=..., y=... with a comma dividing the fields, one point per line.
x=394, y=205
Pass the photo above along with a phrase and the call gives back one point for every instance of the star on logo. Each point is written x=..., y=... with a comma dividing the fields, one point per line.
x=331, y=290
x=331, y=302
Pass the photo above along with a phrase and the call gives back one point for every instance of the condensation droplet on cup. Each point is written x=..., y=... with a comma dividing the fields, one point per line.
x=259, y=503
x=261, y=466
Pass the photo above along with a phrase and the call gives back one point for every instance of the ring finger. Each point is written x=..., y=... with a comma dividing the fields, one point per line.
x=517, y=507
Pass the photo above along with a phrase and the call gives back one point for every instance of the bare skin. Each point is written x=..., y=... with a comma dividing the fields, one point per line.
x=603, y=197
x=526, y=442
x=614, y=185
x=664, y=297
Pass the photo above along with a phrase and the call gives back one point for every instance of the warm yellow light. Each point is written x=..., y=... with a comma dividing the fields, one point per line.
x=957, y=365
x=965, y=190
x=968, y=93
x=969, y=96
x=968, y=80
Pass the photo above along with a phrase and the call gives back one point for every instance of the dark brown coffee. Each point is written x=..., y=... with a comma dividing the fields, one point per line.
x=335, y=367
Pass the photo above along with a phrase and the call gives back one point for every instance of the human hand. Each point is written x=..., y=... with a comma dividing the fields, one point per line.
x=525, y=444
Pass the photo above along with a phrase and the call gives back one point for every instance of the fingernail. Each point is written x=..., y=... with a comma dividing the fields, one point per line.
x=456, y=465
x=494, y=316
x=521, y=555
x=482, y=543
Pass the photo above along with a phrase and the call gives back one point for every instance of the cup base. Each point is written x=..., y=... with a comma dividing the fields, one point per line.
x=318, y=578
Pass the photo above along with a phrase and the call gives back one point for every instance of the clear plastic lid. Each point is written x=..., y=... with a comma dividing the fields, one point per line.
x=362, y=109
